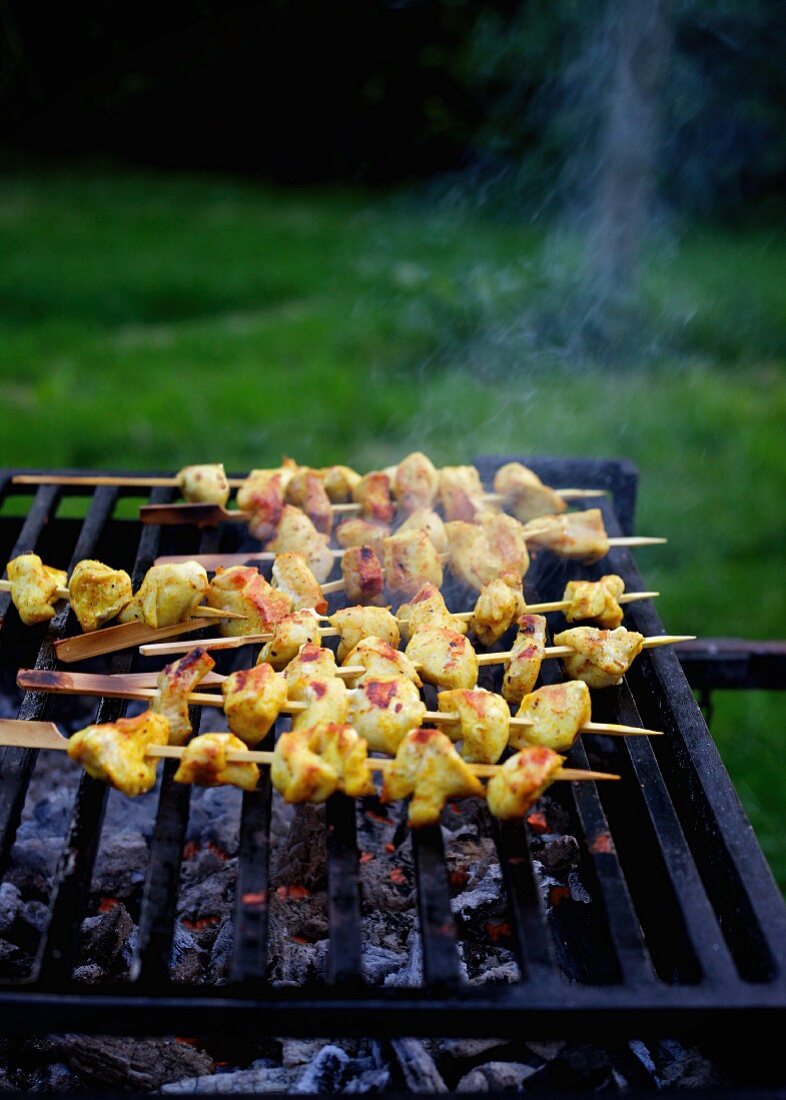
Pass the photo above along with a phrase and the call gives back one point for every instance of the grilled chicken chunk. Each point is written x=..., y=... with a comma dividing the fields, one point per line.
x=293, y=632
x=557, y=713
x=461, y=493
x=243, y=589
x=580, y=536
x=168, y=594
x=356, y=623
x=480, y=552
x=598, y=600
x=310, y=765
x=526, y=495
x=372, y=493
x=262, y=496
x=416, y=482
x=174, y=684
x=339, y=481
x=410, y=562
x=292, y=575
x=428, y=767
x=253, y=698
x=312, y=663
x=499, y=605
x=601, y=657
x=34, y=588
x=204, y=484
x=364, y=581
x=115, y=751
x=204, y=763
x=361, y=532
x=326, y=701
x=297, y=532
x=383, y=709
x=379, y=658
x=523, y=668
x=306, y=490
x=426, y=519
x=97, y=593
x=483, y=726
x=427, y=608
x=521, y=781
x=443, y=657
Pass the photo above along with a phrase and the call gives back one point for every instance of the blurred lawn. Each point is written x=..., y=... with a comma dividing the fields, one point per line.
x=150, y=320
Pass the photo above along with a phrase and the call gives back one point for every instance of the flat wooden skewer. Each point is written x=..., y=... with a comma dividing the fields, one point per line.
x=110, y=638
x=46, y=735
x=142, y=686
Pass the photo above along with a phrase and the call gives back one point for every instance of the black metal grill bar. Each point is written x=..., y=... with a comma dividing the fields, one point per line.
x=252, y=903
x=437, y=927
x=343, y=890
x=534, y=947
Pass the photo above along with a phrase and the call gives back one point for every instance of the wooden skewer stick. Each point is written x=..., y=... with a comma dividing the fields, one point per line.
x=61, y=593
x=46, y=735
x=568, y=651
x=111, y=638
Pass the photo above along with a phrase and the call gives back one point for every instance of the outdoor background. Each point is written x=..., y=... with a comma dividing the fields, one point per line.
x=343, y=231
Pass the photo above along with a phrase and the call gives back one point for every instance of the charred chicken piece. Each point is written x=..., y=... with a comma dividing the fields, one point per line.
x=580, y=536
x=557, y=712
x=292, y=576
x=427, y=608
x=601, y=657
x=311, y=764
x=360, y=532
x=483, y=726
x=364, y=581
x=244, y=590
x=461, y=493
x=372, y=493
x=598, y=600
x=34, y=588
x=253, y=698
x=428, y=767
x=204, y=763
x=410, y=562
x=521, y=781
x=526, y=495
x=262, y=496
x=527, y=651
x=425, y=519
x=293, y=632
x=379, y=658
x=98, y=593
x=116, y=751
x=326, y=701
x=499, y=605
x=297, y=532
x=168, y=594
x=416, y=482
x=204, y=484
x=175, y=682
x=356, y=623
x=306, y=490
x=383, y=709
x=339, y=481
x=443, y=657
x=312, y=663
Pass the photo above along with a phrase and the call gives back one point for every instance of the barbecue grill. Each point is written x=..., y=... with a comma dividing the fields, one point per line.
x=685, y=933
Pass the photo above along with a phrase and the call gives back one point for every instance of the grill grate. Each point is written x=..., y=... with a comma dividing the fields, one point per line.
x=686, y=927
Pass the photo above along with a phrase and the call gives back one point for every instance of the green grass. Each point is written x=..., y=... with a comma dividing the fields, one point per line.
x=151, y=320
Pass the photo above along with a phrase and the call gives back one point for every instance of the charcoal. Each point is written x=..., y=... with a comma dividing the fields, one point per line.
x=130, y=1062
x=104, y=937
x=298, y=1052
x=485, y=898
x=463, y=1049
x=300, y=860
x=327, y=1073
x=187, y=960
x=31, y=921
x=207, y=889
x=33, y=864
x=10, y=903
x=411, y=974
x=560, y=854
x=380, y=962
x=496, y=1077
x=221, y=954
x=214, y=819
x=121, y=865
x=682, y=1067
x=14, y=963
x=260, y=1077
x=369, y=1081
x=417, y=1066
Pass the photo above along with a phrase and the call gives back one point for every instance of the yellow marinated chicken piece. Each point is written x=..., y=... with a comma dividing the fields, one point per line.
x=428, y=767
x=372, y=493
x=253, y=698
x=204, y=763
x=168, y=594
x=580, y=536
x=289, y=636
x=521, y=781
x=383, y=709
x=601, y=657
x=481, y=551
x=262, y=496
x=557, y=713
x=306, y=490
x=523, y=669
x=356, y=623
x=361, y=532
x=410, y=562
x=339, y=481
x=379, y=658
x=309, y=765
x=507, y=544
x=416, y=483
x=483, y=726
x=297, y=532
x=326, y=701
x=115, y=751
x=598, y=600
x=292, y=575
x=98, y=593
x=173, y=686
x=461, y=493
x=526, y=495
x=427, y=608
x=244, y=590
x=499, y=605
x=443, y=657
x=426, y=519
x=204, y=484
x=312, y=663
x=34, y=588
x=364, y=581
